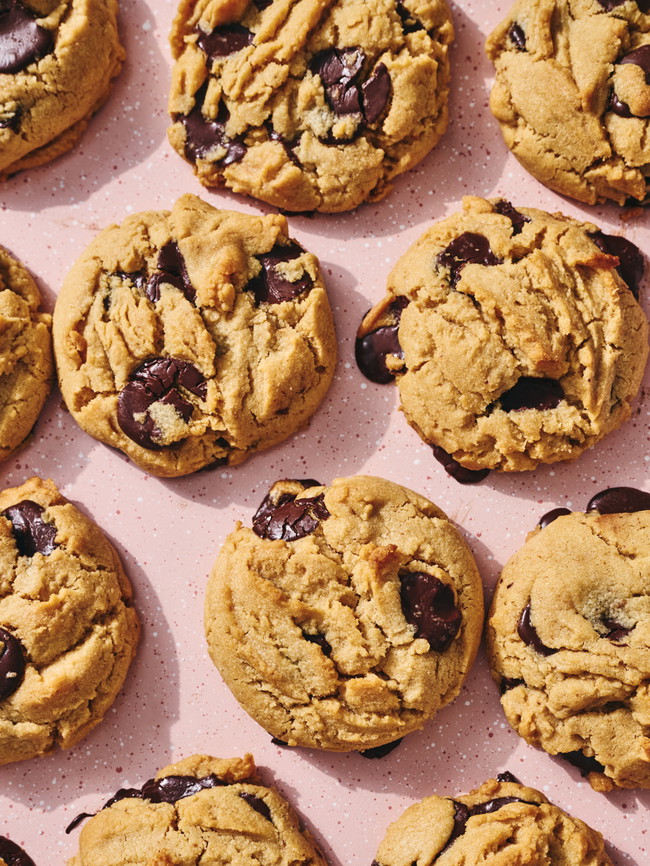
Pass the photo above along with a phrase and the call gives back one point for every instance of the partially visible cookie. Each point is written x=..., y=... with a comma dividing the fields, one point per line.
x=67, y=628
x=12, y=854
x=194, y=337
x=57, y=65
x=347, y=616
x=26, y=367
x=572, y=94
x=502, y=823
x=515, y=336
x=202, y=810
x=309, y=105
x=569, y=639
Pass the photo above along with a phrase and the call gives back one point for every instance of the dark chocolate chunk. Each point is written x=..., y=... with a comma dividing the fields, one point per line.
x=458, y=472
x=12, y=664
x=463, y=813
x=615, y=631
x=618, y=106
x=268, y=505
x=320, y=640
x=527, y=632
x=639, y=57
x=157, y=381
x=517, y=219
x=584, y=763
x=270, y=287
x=292, y=519
x=31, y=533
x=10, y=120
x=498, y=803
x=372, y=350
x=22, y=40
x=550, y=516
x=289, y=146
x=468, y=248
x=339, y=71
x=278, y=742
x=12, y=854
x=262, y=4
x=631, y=263
x=375, y=92
x=203, y=135
x=619, y=500
x=258, y=804
x=380, y=751
x=171, y=270
x=531, y=392
x=507, y=776
x=644, y=5
x=410, y=24
x=508, y=683
x=517, y=36
x=430, y=606
x=223, y=41
x=136, y=278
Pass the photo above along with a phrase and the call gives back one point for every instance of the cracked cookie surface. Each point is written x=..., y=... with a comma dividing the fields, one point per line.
x=501, y=823
x=205, y=810
x=347, y=616
x=68, y=630
x=57, y=65
x=194, y=337
x=572, y=94
x=309, y=104
x=516, y=335
x=26, y=367
x=569, y=643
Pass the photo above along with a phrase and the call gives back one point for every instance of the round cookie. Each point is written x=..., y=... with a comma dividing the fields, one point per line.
x=309, y=105
x=26, y=366
x=569, y=640
x=347, y=616
x=515, y=336
x=57, y=64
x=201, y=810
x=193, y=337
x=572, y=94
x=501, y=822
x=67, y=628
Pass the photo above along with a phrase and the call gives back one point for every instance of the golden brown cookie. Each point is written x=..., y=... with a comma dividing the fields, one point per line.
x=347, y=616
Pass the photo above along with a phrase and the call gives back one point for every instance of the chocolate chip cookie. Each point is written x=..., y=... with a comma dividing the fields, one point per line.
x=305, y=104
x=193, y=337
x=57, y=65
x=26, y=366
x=572, y=94
x=347, y=616
x=502, y=822
x=515, y=336
x=569, y=638
x=201, y=810
x=67, y=627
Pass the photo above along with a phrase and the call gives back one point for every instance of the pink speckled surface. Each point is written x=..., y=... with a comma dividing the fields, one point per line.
x=168, y=532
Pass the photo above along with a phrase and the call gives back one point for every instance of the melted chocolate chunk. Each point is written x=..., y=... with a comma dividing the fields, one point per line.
x=410, y=24
x=320, y=640
x=136, y=278
x=278, y=742
x=584, y=763
x=528, y=634
x=258, y=804
x=31, y=533
x=616, y=632
x=639, y=57
x=532, y=393
x=11, y=120
x=22, y=40
x=289, y=146
x=508, y=683
x=171, y=270
x=12, y=664
x=463, y=813
x=380, y=751
x=517, y=36
x=550, y=516
x=270, y=287
x=458, y=472
x=507, y=776
x=430, y=606
x=618, y=106
x=644, y=5
x=157, y=381
x=223, y=41
x=12, y=854
x=268, y=505
x=468, y=248
x=372, y=350
x=517, y=219
x=375, y=92
x=619, y=500
x=291, y=519
x=262, y=4
x=339, y=70
x=203, y=136
x=631, y=263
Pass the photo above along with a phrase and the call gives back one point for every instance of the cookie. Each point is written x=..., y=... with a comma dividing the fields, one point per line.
x=26, y=367
x=569, y=638
x=57, y=65
x=347, y=616
x=572, y=94
x=306, y=104
x=193, y=337
x=501, y=822
x=68, y=630
x=201, y=810
x=515, y=336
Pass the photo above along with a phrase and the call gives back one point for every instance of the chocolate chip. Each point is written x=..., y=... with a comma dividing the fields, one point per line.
x=584, y=763
x=619, y=500
x=372, y=350
x=12, y=664
x=618, y=106
x=171, y=270
x=550, y=516
x=203, y=135
x=615, y=631
x=375, y=92
x=292, y=519
x=157, y=381
x=527, y=632
x=136, y=278
x=270, y=286
x=631, y=263
x=458, y=472
x=31, y=533
x=508, y=683
x=410, y=24
x=22, y=40
x=517, y=219
x=468, y=248
x=320, y=640
x=531, y=392
x=262, y=4
x=289, y=146
x=380, y=751
x=278, y=742
x=507, y=776
x=463, y=813
x=517, y=36
x=339, y=70
x=12, y=854
x=258, y=804
x=430, y=606
x=10, y=120
x=639, y=57
x=223, y=41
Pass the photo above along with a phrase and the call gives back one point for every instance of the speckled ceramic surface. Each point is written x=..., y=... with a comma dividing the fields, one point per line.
x=168, y=532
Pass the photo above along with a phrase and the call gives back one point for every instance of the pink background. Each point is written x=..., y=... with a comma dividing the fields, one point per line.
x=168, y=532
